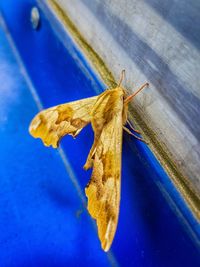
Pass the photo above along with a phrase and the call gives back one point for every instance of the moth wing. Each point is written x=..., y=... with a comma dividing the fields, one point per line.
x=53, y=123
x=103, y=190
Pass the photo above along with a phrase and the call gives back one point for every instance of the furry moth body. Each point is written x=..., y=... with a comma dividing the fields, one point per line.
x=107, y=113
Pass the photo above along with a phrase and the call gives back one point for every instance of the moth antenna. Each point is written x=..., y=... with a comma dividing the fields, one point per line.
x=121, y=78
x=130, y=97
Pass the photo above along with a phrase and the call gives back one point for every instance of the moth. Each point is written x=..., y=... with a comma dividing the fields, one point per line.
x=107, y=114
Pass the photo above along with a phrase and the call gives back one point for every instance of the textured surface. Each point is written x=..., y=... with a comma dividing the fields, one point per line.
x=159, y=43
x=42, y=219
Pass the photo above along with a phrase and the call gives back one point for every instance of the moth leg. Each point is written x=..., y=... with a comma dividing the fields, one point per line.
x=129, y=132
x=90, y=159
x=131, y=126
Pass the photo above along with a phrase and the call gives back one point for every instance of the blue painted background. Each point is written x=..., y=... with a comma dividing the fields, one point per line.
x=43, y=221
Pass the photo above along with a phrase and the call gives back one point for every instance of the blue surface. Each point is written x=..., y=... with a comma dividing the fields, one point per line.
x=43, y=221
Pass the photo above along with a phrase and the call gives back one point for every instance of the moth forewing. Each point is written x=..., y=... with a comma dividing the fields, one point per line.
x=103, y=190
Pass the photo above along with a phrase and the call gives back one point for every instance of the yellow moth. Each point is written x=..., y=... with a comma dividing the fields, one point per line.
x=107, y=113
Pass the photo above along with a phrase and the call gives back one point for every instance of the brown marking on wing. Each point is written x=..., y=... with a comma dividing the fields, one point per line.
x=65, y=113
x=78, y=123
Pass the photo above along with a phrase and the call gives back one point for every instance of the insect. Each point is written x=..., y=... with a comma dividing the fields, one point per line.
x=107, y=113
